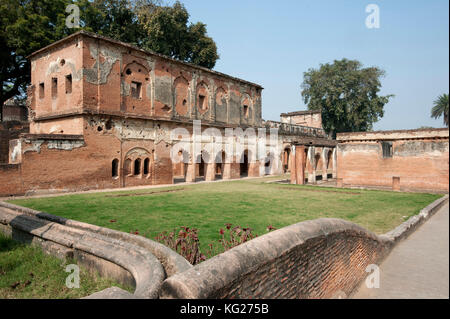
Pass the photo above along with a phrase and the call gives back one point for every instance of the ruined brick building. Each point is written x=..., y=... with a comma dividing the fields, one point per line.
x=105, y=114
x=102, y=113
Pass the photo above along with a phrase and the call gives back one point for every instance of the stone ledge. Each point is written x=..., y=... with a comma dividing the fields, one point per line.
x=111, y=293
x=406, y=228
x=173, y=262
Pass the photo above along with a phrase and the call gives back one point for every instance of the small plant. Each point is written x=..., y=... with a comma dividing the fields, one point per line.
x=185, y=242
x=235, y=236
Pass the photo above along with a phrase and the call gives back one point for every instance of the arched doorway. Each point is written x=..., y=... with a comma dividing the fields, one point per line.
x=202, y=161
x=180, y=167
x=268, y=163
x=329, y=162
x=244, y=164
x=286, y=158
x=220, y=165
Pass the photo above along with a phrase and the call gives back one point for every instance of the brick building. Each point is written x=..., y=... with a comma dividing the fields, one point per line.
x=102, y=115
x=400, y=160
x=305, y=118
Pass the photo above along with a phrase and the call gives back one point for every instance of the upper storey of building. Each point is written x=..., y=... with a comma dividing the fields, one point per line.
x=304, y=118
x=89, y=74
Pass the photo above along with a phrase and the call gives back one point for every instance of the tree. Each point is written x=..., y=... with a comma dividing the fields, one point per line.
x=440, y=108
x=111, y=18
x=26, y=26
x=168, y=32
x=346, y=94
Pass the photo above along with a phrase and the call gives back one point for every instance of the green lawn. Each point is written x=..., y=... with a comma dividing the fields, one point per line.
x=26, y=272
x=253, y=203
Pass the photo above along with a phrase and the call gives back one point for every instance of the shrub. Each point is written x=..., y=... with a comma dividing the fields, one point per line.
x=185, y=241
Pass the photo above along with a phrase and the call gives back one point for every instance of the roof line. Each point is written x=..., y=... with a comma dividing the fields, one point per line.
x=300, y=112
x=96, y=36
x=393, y=131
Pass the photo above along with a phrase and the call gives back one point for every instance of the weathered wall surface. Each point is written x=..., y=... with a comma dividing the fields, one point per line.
x=88, y=73
x=61, y=162
x=304, y=118
x=321, y=258
x=8, y=132
x=420, y=159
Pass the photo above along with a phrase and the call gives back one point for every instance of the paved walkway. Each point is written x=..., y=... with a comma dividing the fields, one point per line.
x=418, y=267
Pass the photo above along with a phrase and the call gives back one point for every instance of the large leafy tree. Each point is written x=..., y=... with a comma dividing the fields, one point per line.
x=168, y=31
x=112, y=18
x=29, y=25
x=26, y=26
x=347, y=95
x=440, y=108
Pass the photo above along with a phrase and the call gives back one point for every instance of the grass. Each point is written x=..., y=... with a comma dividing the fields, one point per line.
x=252, y=202
x=27, y=272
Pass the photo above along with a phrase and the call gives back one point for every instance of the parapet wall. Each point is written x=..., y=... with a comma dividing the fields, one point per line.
x=127, y=258
x=321, y=258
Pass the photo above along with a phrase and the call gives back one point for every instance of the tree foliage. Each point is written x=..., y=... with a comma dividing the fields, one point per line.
x=168, y=32
x=26, y=26
x=29, y=25
x=347, y=95
x=440, y=108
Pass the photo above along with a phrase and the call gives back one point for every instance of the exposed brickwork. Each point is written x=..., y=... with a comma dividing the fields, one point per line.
x=323, y=258
x=413, y=159
x=8, y=132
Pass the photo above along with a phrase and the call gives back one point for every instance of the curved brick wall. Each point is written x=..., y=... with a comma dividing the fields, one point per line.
x=321, y=258
x=127, y=258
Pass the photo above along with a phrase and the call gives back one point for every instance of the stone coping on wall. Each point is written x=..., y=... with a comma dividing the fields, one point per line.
x=406, y=228
x=114, y=253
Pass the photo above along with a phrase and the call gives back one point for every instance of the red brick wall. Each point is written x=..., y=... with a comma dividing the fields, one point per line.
x=421, y=164
x=322, y=258
x=85, y=163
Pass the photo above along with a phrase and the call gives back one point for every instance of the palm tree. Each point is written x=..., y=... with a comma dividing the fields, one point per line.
x=440, y=107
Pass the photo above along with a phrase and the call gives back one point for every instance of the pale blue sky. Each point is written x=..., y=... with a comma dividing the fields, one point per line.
x=273, y=42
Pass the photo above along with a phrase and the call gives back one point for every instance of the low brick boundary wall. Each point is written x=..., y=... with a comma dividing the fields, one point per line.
x=128, y=258
x=313, y=259
x=322, y=258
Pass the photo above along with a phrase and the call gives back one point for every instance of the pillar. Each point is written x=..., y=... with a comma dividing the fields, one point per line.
x=312, y=160
x=325, y=163
x=300, y=163
x=292, y=166
x=334, y=157
x=210, y=172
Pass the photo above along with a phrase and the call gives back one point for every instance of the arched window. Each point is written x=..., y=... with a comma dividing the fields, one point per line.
x=137, y=166
x=115, y=168
x=146, y=166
